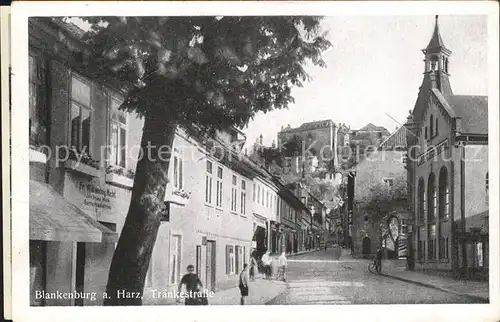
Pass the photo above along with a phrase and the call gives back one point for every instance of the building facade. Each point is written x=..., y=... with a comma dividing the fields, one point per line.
x=384, y=167
x=448, y=171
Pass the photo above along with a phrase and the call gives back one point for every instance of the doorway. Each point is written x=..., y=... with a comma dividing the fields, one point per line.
x=366, y=247
x=210, y=277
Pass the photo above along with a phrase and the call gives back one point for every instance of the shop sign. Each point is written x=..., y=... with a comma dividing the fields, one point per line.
x=96, y=196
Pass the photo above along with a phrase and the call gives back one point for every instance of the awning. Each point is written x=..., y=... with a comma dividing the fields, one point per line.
x=260, y=220
x=53, y=218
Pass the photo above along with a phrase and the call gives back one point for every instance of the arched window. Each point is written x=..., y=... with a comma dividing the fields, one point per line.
x=421, y=201
x=444, y=195
x=431, y=127
x=431, y=216
x=431, y=198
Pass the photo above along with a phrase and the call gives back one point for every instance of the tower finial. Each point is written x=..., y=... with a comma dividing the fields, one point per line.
x=437, y=16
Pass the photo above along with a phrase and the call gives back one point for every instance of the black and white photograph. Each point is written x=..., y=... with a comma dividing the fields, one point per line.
x=233, y=158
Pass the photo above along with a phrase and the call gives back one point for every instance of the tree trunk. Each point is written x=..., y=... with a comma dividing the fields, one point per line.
x=132, y=255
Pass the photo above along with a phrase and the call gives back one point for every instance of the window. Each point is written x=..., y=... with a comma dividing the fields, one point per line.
x=444, y=195
x=80, y=115
x=421, y=201
x=404, y=226
x=178, y=172
x=421, y=247
x=118, y=137
x=218, y=198
x=234, y=193
x=36, y=107
x=267, y=199
x=431, y=252
x=426, y=132
x=175, y=259
x=389, y=182
x=239, y=259
x=243, y=196
x=230, y=260
x=431, y=126
x=263, y=196
x=254, y=191
x=258, y=194
x=208, y=183
x=487, y=187
x=431, y=198
x=437, y=127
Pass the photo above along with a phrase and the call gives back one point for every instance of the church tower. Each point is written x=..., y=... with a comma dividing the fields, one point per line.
x=437, y=60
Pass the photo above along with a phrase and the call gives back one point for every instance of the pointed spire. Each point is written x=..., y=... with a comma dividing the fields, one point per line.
x=436, y=40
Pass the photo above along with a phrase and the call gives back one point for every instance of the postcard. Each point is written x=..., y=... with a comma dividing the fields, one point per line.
x=313, y=160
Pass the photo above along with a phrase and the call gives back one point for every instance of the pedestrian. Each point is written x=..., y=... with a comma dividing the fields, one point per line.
x=243, y=284
x=282, y=264
x=266, y=263
x=192, y=281
x=378, y=260
x=253, y=266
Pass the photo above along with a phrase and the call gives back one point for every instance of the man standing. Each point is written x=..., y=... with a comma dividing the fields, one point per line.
x=266, y=263
x=282, y=263
x=192, y=282
x=244, y=283
x=378, y=260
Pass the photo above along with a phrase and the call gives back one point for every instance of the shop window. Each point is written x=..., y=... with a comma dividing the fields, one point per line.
x=175, y=259
x=243, y=197
x=218, y=198
x=234, y=194
x=81, y=113
x=431, y=242
x=37, y=115
x=208, y=183
x=118, y=135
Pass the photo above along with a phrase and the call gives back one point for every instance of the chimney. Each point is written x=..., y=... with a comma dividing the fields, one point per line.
x=260, y=139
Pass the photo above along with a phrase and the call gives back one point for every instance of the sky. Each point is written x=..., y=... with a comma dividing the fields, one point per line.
x=374, y=69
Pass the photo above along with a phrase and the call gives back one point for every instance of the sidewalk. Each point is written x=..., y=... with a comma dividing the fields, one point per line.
x=473, y=289
x=261, y=291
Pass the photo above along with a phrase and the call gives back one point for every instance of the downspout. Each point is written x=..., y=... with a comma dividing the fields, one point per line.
x=462, y=200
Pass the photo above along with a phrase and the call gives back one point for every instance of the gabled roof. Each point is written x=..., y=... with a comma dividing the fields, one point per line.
x=473, y=110
x=316, y=124
x=396, y=140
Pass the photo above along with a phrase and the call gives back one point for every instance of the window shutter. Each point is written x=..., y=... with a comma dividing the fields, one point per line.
x=59, y=78
x=99, y=121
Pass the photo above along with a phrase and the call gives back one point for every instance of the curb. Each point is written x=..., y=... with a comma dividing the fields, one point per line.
x=475, y=297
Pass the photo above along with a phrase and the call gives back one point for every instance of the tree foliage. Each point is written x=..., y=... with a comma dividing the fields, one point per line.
x=383, y=200
x=214, y=72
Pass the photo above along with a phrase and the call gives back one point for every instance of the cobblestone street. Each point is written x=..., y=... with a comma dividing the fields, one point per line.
x=321, y=278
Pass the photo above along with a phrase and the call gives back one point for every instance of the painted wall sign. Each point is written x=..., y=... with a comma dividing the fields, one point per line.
x=96, y=196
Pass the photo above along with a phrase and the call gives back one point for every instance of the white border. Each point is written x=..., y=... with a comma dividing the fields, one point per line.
x=20, y=170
